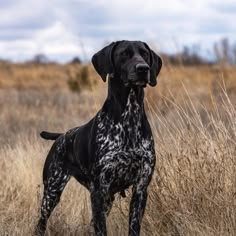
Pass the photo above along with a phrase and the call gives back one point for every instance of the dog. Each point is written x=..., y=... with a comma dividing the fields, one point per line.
x=115, y=149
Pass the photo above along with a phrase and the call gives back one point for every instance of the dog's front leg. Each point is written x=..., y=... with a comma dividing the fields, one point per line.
x=137, y=207
x=138, y=201
x=98, y=211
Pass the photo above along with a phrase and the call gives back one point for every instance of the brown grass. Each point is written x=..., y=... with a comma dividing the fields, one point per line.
x=193, y=191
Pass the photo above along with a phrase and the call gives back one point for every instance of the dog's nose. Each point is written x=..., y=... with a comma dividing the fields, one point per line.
x=142, y=68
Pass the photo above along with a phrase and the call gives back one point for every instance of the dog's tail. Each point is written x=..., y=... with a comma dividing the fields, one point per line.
x=49, y=135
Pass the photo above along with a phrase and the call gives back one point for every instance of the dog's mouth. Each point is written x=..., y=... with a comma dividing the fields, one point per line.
x=137, y=83
x=140, y=83
x=134, y=80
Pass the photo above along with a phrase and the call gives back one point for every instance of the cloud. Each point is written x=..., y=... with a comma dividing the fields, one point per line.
x=229, y=8
x=25, y=14
x=62, y=29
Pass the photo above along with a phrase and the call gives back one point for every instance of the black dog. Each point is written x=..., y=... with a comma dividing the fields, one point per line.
x=115, y=149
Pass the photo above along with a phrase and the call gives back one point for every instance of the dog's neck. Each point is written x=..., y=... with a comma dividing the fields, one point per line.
x=121, y=122
x=119, y=97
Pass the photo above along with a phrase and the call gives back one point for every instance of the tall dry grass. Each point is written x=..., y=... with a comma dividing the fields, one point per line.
x=193, y=191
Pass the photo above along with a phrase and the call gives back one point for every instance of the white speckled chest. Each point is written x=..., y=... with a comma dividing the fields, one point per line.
x=122, y=151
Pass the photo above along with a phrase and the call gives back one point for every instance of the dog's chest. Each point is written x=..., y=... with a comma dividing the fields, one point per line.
x=122, y=150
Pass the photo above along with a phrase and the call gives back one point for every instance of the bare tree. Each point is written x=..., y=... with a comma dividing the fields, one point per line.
x=234, y=53
x=225, y=50
x=40, y=58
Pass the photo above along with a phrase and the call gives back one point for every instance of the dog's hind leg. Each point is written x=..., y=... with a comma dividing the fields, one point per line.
x=55, y=180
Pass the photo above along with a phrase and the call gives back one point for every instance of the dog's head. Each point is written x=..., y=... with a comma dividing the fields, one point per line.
x=131, y=61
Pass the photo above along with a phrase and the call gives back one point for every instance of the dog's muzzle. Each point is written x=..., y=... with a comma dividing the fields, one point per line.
x=142, y=68
x=143, y=74
x=140, y=76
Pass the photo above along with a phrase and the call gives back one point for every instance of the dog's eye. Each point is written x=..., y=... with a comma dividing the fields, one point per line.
x=126, y=53
x=144, y=54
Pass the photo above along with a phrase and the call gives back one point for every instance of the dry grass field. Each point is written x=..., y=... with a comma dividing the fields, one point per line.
x=193, y=116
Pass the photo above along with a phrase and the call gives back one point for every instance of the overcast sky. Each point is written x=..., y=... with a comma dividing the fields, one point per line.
x=62, y=29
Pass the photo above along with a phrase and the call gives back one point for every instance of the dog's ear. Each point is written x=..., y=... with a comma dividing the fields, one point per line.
x=102, y=61
x=156, y=64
